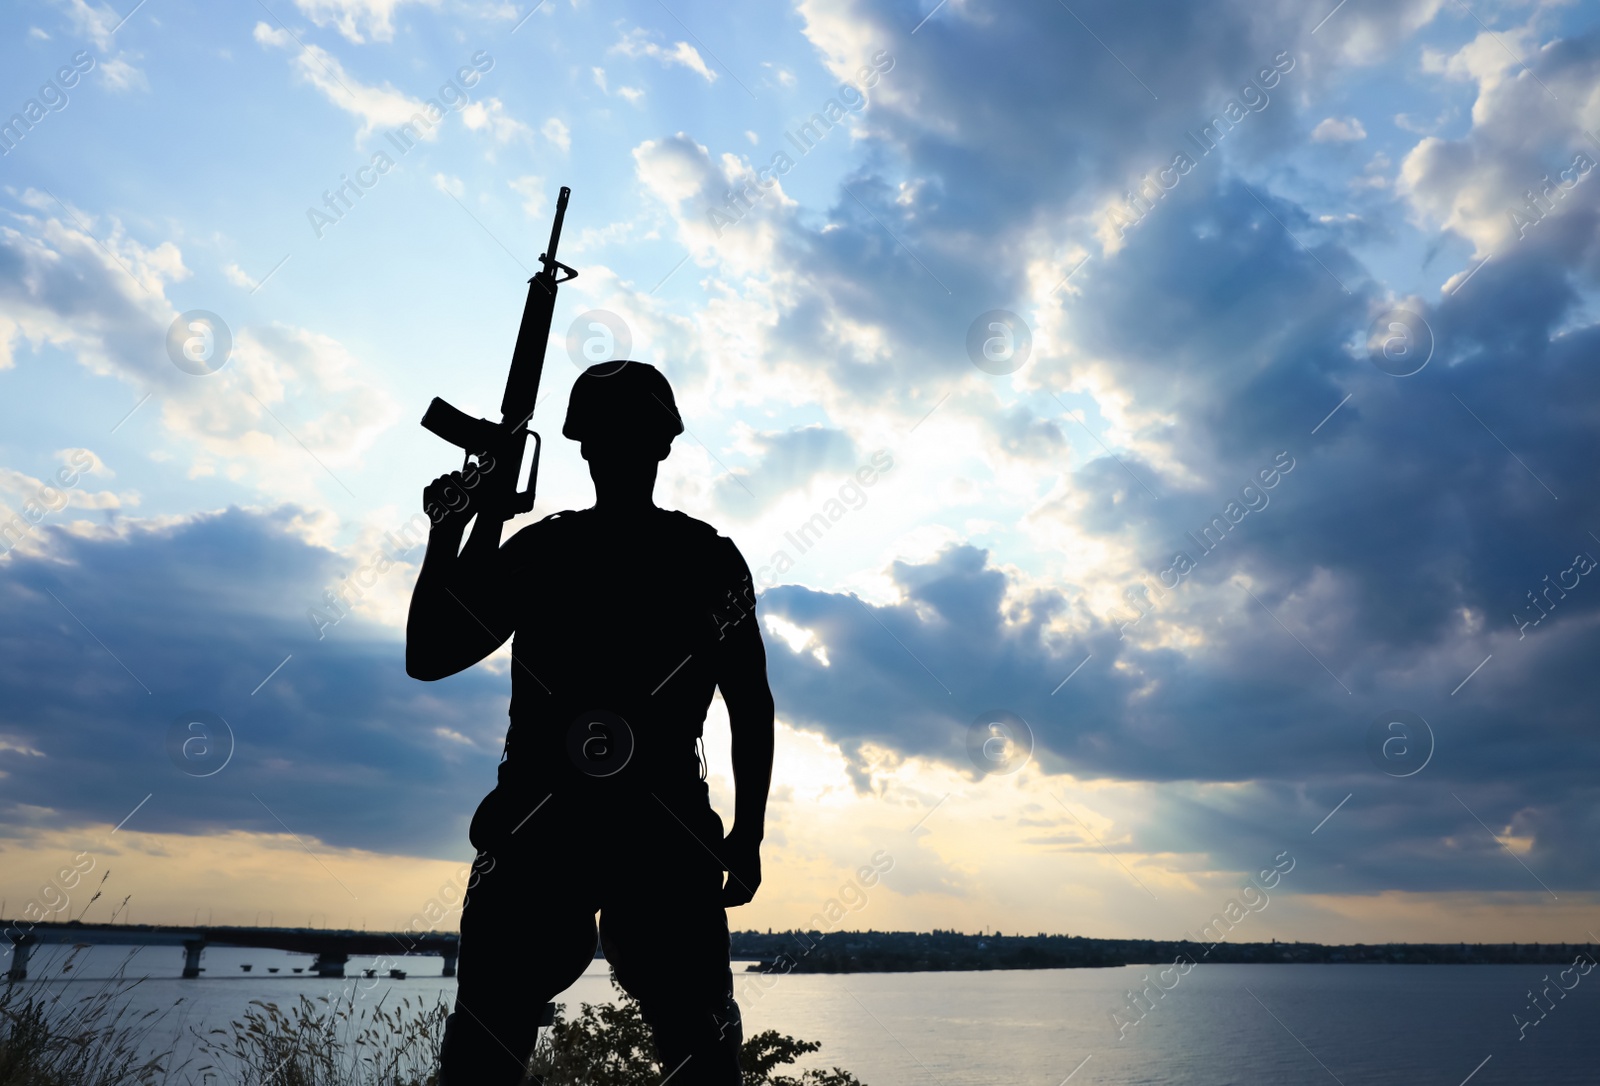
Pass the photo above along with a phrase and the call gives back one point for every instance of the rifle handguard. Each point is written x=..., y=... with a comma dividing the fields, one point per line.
x=522, y=500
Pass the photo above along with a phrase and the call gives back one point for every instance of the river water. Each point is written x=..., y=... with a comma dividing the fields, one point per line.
x=1219, y=1025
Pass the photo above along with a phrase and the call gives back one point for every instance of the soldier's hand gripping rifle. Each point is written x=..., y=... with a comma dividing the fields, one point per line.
x=500, y=446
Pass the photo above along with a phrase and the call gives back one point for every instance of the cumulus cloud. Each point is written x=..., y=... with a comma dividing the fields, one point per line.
x=632, y=94
x=74, y=280
x=682, y=174
x=289, y=406
x=1338, y=130
x=237, y=276
x=95, y=23
x=531, y=189
x=120, y=74
x=1524, y=157
x=556, y=131
x=1364, y=37
x=490, y=116
x=27, y=502
x=292, y=408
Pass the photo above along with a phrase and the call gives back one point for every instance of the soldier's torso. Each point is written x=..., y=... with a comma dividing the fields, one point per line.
x=618, y=624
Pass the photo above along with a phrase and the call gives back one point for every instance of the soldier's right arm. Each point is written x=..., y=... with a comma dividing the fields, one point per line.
x=460, y=608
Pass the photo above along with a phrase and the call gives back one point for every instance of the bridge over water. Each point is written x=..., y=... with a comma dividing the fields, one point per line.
x=332, y=949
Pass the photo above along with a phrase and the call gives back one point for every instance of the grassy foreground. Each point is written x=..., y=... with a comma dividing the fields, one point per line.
x=47, y=1040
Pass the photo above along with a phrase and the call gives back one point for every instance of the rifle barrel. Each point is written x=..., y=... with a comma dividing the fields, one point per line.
x=555, y=229
x=527, y=358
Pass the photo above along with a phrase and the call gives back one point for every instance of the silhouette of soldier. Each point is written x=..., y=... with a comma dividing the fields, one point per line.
x=626, y=618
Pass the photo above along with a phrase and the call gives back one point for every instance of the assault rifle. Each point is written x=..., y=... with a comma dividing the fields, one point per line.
x=502, y=444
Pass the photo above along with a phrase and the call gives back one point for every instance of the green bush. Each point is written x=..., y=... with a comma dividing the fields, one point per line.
x=610, y=1045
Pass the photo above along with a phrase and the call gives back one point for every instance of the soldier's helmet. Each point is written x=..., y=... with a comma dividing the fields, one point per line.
x=622, y=402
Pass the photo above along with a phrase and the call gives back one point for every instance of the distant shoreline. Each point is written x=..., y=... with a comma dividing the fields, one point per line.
x=916, y=952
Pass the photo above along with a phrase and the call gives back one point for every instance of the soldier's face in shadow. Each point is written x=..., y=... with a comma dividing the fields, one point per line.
x=624, y=462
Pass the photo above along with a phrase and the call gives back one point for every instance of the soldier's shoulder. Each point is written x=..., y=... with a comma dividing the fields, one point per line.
x=719, y=552
x=698, y=531
x=684, y=524
x=542, y=530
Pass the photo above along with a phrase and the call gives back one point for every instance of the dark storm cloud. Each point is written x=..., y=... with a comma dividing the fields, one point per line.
x=1412, y=496
x=340, y=744
x=1002, y=134
x=1249, y=707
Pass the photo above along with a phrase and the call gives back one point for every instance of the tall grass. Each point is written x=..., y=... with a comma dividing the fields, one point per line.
x=47, y=1039
x=96, y=1040
x=323, y=1042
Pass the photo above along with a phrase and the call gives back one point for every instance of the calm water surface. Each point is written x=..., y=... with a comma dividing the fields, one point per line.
x=1222, y=1025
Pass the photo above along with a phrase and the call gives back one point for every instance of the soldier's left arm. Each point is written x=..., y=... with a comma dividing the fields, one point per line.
x=742, y=678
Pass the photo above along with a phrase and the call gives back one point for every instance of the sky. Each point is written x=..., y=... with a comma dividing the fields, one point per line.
x=1218, y=368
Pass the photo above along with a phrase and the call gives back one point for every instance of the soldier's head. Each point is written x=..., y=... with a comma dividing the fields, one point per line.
x=622, y=412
